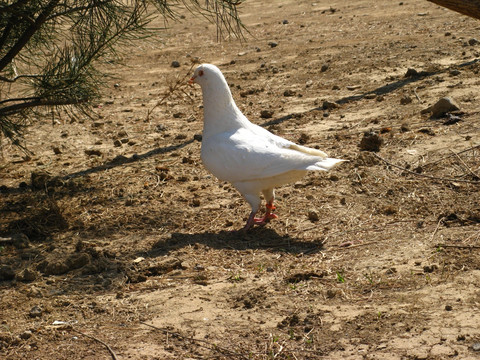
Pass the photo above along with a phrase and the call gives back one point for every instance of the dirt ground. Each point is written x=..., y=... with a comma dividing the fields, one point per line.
x=115, y=237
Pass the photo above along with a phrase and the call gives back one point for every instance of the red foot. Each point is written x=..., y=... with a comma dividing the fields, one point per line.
x=252, y=220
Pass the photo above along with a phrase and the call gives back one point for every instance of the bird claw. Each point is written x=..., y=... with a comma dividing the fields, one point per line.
x=265, y=220
x=252, y=220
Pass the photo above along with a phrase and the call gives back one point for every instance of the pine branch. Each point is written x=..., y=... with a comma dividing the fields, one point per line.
x=29, y=32
x=36, y=102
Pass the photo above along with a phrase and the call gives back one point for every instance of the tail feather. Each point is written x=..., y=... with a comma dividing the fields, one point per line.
x=307, y=150
x=325, y=164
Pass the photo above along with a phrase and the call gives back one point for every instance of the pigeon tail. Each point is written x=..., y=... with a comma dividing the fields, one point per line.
x=325, y=164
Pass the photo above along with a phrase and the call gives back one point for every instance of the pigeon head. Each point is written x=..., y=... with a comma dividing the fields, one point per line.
x=208, y=75
x=219, y=108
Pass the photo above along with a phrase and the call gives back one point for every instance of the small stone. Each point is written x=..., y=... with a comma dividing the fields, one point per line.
x=324, y=67
x=56, y=150
x=6, y=273
x=78, y=260
x=476, y=346
x=455, y=72
x=371, y=142
x=428, y=268
x=308, y=83
x=285, y=22
x=405, y=100
x=28, y=275
x=411, y=73
x=273, y=44
x=289, y=93
x=329, y=105
x=448, y=308
x=117, y=143
x=27, y=334
x=266, y=114
x=441, y=107
x=175, y=64
x=313, y=216
x=35, y=311
x=404, y=128
x=303, y=139
x=93, y=152
x=473, y=42
x=196, y=202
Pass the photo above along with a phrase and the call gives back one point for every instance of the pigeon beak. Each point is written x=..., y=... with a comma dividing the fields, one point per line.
x=192, y=80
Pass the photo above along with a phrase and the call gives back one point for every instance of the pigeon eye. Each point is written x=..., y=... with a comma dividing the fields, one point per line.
x=200, y=73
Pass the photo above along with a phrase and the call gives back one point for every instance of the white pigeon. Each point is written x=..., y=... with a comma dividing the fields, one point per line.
x=253, y=159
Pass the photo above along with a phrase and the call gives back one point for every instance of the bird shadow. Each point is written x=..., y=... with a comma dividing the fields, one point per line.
x=256, y=238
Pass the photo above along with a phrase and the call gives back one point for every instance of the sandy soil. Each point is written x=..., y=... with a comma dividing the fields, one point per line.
x=115, y=235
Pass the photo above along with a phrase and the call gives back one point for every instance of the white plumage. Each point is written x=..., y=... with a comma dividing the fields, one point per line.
x=253, y=159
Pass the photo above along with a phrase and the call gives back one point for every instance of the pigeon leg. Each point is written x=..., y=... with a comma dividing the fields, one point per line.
x=269, y=215
x=250, y=222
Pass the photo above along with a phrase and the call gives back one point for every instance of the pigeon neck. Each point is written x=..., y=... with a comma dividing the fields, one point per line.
x=219, y=109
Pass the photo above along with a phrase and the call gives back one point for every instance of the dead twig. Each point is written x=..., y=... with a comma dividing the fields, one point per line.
x=346, y=246
x=457, y=246
x=476, y=182
x=178, y=85
x=199, y=342
x=114, y=356
x=418, y=97
x=449, y=156
x=475, y=176
x=436, y=228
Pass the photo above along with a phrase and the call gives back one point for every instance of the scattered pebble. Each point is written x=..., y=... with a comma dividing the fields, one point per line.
x=448, y=308
x=289, y=93
x=27, y=334
x=430, y=268
x=405, y=100
x=371, y=142
x=313, y=216
x=272, y=44
x=28, y=275
x=303, y=139
x=6, y=273
x=175, y=64
x=427, y=131
x=266, y=114
x=93, y=152
x=411, y=73
x=284, y=22
x=324, y=68
x=441, y=107
x=329, y=105
x=476, y=346
x=473, y=42
x=35, y=311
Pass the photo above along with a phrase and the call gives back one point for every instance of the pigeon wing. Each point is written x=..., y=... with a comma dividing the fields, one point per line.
x=245, y=155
